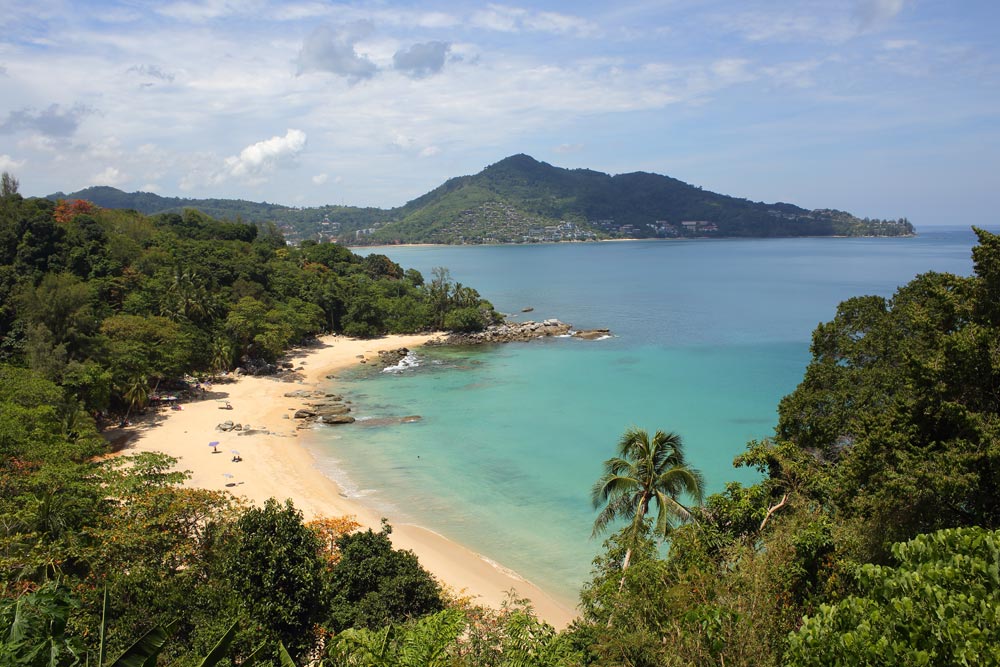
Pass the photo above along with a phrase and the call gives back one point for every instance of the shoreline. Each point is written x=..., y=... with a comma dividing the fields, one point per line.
x=647, y=238
x=275, y=463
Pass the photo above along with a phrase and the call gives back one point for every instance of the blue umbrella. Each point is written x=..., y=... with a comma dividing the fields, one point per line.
x=214, y=445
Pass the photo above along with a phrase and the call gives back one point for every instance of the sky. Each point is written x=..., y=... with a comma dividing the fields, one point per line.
x=884, y=108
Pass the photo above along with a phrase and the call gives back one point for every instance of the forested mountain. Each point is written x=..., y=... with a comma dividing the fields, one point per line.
x=520, y=199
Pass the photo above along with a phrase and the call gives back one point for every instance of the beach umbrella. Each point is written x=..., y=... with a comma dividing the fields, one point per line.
x=214, y=445
x=235, y=451
x=228, y=475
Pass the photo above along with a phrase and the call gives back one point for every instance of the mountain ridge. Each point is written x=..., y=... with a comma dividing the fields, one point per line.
x=520, y=199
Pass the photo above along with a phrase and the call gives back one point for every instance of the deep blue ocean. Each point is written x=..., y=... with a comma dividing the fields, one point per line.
x=708, y=336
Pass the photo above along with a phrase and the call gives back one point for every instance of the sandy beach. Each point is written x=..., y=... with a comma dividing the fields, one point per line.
x=275, y=465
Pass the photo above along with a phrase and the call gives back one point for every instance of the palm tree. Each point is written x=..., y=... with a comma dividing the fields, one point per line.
x=645, y=471
x=135, y=392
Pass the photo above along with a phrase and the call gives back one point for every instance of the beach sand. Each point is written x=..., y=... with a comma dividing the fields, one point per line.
x=275, y=465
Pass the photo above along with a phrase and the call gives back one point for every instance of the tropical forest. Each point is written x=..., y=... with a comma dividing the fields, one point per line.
x=872, y=536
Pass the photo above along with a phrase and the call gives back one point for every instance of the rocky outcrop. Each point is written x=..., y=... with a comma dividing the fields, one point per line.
x=327, y=409
x=388, y=358
x=311, y=393
x=592, y=334
x=510, y=332
x=335, y=419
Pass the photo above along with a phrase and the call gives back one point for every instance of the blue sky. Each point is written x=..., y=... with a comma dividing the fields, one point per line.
x=884, y=108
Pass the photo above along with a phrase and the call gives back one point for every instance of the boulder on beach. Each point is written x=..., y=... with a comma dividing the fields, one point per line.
x=321, y=409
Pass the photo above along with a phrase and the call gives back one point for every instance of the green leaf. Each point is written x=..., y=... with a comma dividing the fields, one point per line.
x=286, y=660
x=219, y=652
x=144, y=651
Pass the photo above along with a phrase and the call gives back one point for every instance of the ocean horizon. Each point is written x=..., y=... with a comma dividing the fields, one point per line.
x=708, y=336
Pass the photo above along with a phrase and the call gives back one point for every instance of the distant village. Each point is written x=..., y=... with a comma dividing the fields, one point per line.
x=502, y=224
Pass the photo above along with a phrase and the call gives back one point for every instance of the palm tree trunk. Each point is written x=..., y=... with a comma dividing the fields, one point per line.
x=628, y=557
x=641, y=514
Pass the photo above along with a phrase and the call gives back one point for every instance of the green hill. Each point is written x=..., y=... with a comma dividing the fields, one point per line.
x=520, y=199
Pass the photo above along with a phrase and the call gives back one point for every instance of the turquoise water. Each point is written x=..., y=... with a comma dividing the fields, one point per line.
x=709, y=335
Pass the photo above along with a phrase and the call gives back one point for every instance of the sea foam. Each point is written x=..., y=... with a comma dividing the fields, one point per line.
x=409, y=361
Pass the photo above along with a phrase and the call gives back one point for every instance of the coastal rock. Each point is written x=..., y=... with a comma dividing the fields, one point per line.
x=323, y=409
x=392, y=357
x=592, y=334
x=509, y=332
x=225, y=426
x=409, y=419
x=312, y=393
x=527, y=310
x=304, y=413
x=335, y=419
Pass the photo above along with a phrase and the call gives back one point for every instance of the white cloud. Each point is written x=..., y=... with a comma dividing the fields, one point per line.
x=320, y=179
x=504, y=18
x=568, y=148
x=53, y=121
x=435, y=20
x=794, y=74
x=150, y=187
x=110, y=176
x=263, y=156
x=561, y=24
x=151, y=72
x=296, y=11
x=732, y=70
x=209, y=9
x=7, y=163
x=824, y=22
x=876, y=13
x=329, y=49
x=429, y=151
x=421, y=60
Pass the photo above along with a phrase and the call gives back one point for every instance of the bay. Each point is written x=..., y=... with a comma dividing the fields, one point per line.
x=708, y=336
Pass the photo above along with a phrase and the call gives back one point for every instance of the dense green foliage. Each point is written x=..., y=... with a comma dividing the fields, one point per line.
x=110, y=304
x=275, y=569
x=374, y=585
x=515, y=199
x=871, y=537
x=509, y=199
x=939, y=606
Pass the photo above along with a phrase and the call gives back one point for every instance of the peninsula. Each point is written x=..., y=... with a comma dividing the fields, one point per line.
x=522, y=200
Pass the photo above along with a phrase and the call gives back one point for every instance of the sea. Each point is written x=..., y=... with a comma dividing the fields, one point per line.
x=706, y=338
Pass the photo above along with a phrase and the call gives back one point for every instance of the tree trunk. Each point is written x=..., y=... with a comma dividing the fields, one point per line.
x=628, y=557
